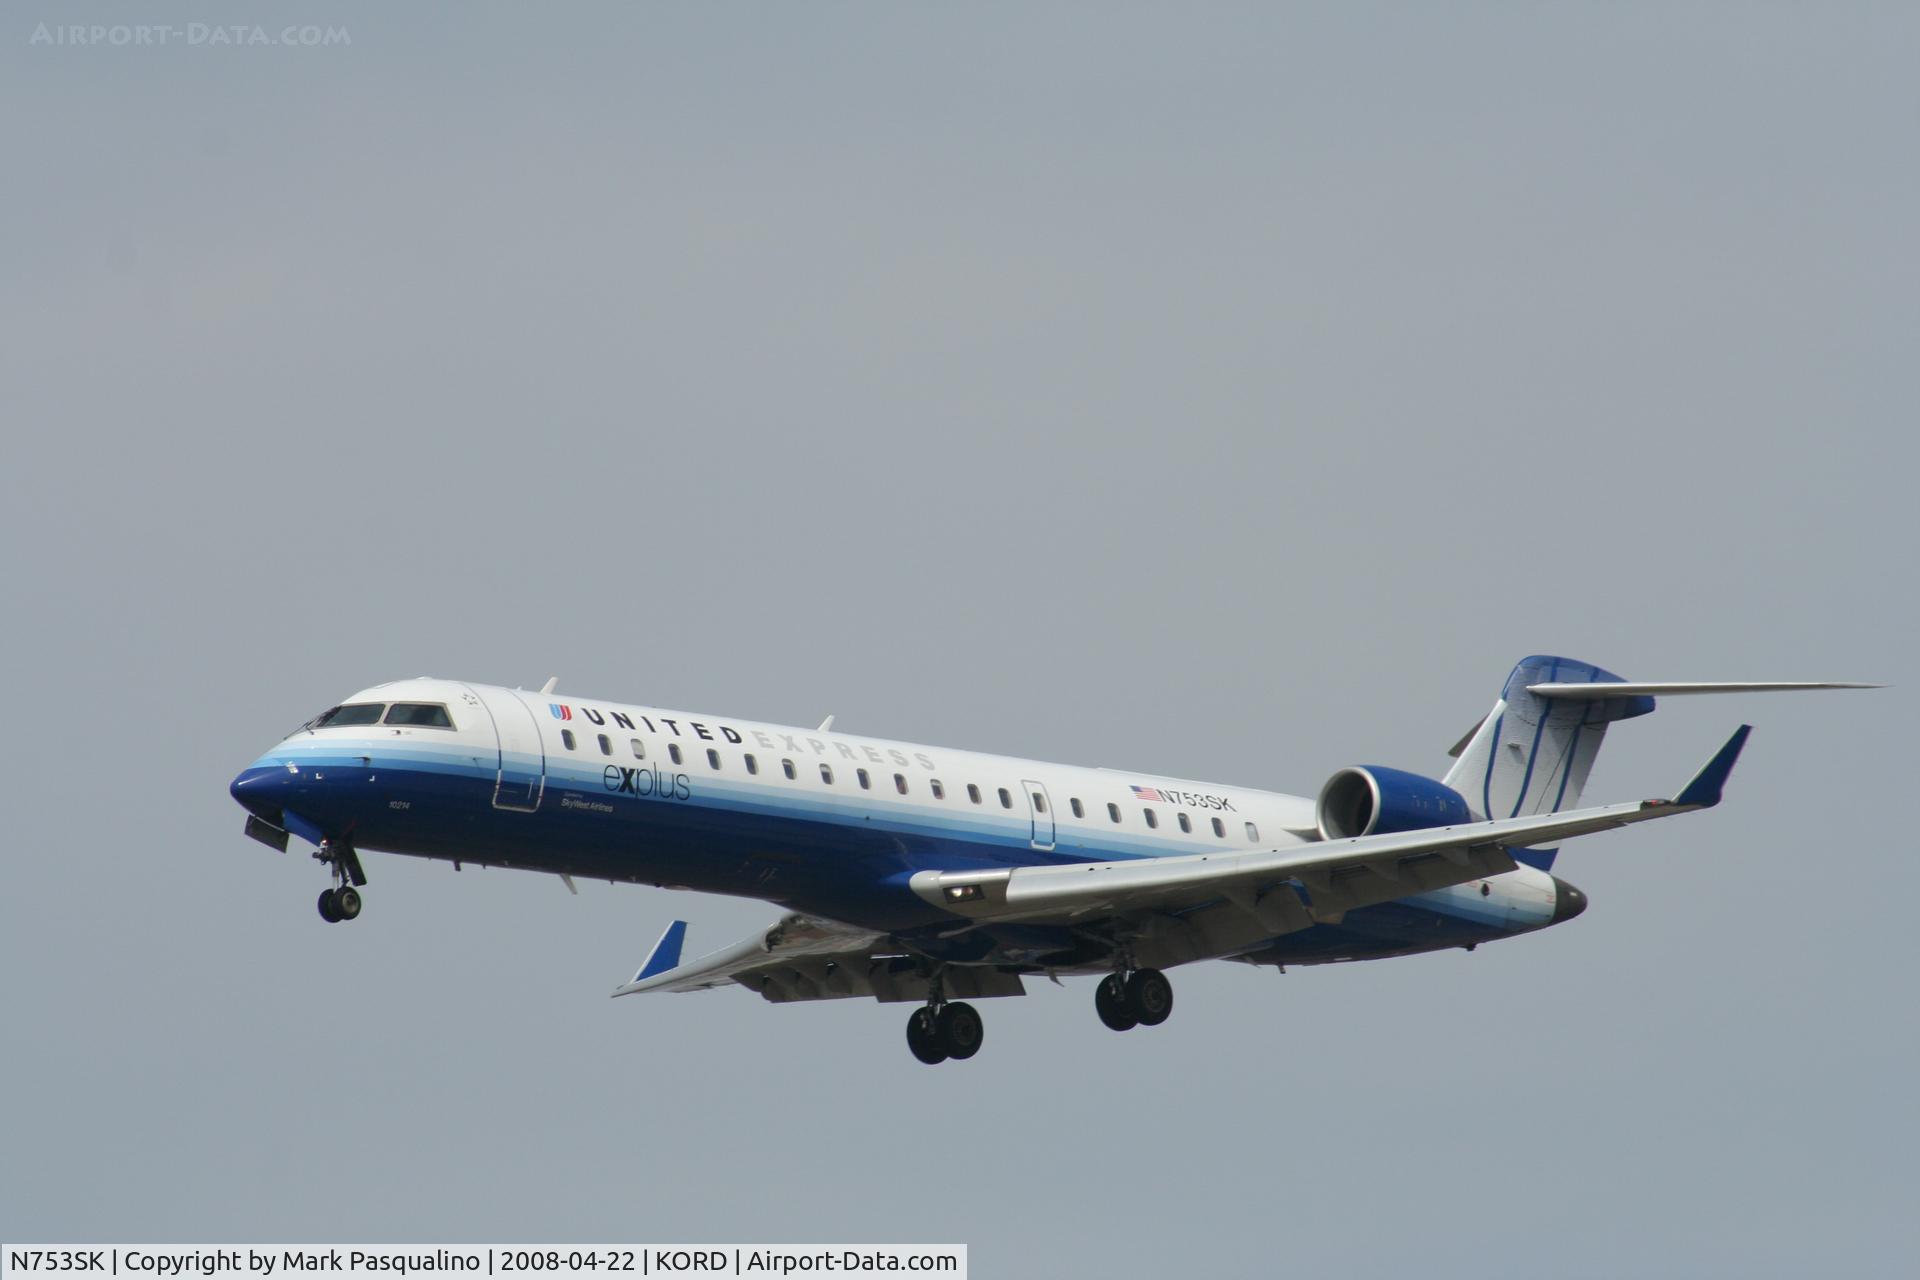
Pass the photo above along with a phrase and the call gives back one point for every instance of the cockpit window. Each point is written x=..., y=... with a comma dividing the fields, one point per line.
x=430, y=714
x=350, y=714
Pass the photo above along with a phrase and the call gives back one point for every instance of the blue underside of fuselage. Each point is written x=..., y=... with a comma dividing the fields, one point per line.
x=819, y=862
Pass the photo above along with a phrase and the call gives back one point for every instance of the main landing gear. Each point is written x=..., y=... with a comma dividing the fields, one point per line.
x=949, y=1031
x=342, y=902
x=940, y=1030
x=1143, y=998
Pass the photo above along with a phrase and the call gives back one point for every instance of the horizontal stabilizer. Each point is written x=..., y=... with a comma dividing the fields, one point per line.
x=1640, y=689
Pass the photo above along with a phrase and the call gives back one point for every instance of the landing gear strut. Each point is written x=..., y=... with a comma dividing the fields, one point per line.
x=1143, y=998
x=940, y=1030
x=342, y=902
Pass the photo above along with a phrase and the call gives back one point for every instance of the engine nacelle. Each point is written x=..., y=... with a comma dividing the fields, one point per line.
x=1371, y=800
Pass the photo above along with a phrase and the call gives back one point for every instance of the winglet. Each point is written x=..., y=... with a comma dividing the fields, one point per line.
x=1704, y=791
x=666, y=952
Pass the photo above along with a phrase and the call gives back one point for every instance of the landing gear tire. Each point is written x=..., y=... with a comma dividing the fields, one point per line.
x=959, y=1030
x=1149, y=997
x=1111, y=1003
x=923, y=1037
x=342, y=902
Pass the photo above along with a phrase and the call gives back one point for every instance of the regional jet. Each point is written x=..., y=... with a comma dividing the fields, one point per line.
x=931, y=877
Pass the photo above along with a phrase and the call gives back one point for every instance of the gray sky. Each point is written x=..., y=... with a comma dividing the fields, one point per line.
x=1233, y=392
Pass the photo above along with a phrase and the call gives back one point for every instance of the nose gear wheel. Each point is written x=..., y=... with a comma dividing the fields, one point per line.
x=342, y=902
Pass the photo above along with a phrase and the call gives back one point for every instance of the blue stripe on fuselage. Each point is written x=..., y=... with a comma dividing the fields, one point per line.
x=847, y=857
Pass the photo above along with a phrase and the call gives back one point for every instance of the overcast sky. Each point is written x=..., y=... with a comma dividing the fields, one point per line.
x=1231, y=392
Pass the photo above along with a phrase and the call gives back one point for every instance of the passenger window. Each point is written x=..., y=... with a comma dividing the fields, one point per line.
x=1185, y=825
x=606, y=745
x=1153, y=819
x=753, y=766
x=786, y=767
x=639, y=749
x=1220, y=828
x=1078, y=812
x=826, y=774
x=939, y=792
x=673, y=752
x=866, y=783
x=1006, y=799
x=566, y=739
x=713, y=758
x=1113, y=811
x=973, y=793
x=900, y=783
x=428, y=714
x=1253, y=833
x=1039, y=802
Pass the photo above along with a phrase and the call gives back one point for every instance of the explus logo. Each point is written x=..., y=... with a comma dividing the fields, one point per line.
x=645, y=781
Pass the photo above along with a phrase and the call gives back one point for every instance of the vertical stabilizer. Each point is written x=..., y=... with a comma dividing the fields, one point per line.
x=1532, y=754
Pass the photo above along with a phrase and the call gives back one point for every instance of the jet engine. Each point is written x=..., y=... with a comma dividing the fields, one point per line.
x=1371, y=800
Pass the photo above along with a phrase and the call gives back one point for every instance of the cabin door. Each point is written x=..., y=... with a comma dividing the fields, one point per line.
x=1041, y=806
x=522, y=776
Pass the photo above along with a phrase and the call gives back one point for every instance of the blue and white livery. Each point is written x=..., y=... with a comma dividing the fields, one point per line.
x=926, y=875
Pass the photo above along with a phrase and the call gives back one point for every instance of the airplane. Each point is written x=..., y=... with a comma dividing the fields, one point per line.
x=929, y=876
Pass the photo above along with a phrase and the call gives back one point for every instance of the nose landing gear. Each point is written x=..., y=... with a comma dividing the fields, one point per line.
x=342, y=902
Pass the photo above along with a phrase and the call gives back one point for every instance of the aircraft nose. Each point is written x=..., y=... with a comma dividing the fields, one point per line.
x=1568, y=901
x=262, y=791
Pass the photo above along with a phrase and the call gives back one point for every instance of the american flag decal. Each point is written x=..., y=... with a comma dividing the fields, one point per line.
x=561, y=711
x=1149, y=793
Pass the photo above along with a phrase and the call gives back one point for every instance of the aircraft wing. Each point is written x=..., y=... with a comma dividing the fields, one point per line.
x=807, y=958
x=1339, y=875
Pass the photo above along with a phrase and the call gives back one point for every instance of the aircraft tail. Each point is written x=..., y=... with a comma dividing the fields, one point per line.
x=1532, y=753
